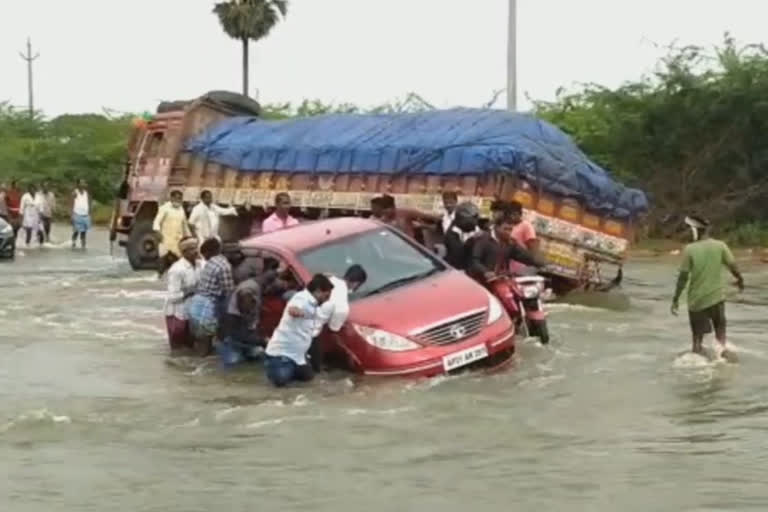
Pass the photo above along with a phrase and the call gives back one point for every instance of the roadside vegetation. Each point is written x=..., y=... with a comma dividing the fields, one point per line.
x=691, y=134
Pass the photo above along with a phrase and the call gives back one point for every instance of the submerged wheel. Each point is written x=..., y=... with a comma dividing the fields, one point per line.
x=539, y=329
x=142, y=247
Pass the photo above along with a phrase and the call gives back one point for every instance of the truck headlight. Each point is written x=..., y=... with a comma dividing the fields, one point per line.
x=385, y=340
x=495, y=310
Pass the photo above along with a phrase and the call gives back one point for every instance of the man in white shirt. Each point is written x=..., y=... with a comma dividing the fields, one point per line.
x=81, y=213
x=204, y=219
x=46, y=203
x=182, y=281
x=30, y=215
x=450, y=200
x=286, y=354
x=335, y=311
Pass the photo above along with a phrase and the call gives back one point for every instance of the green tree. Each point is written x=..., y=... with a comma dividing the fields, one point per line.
x=691, y=134
x=63, y=149
x=247, y=20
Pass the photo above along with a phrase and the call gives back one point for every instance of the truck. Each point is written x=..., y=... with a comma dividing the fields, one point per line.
x=333, y=165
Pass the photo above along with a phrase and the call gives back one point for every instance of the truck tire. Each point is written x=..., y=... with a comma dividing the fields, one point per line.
x=142, y=246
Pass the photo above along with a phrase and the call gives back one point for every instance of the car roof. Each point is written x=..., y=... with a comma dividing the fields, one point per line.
x=312, y=234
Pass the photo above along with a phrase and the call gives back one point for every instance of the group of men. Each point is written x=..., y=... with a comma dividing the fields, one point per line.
x=33, y=211
x=172, y=225
x=216, y=301
x=211, y=297
x=484, y=248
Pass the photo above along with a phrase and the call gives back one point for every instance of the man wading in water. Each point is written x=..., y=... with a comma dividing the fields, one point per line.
x=703, y=260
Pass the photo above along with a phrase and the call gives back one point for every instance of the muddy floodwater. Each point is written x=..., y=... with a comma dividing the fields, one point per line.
x=608, y=418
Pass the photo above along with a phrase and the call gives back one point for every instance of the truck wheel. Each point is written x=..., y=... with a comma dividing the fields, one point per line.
x=539, y=329
x=142, y=247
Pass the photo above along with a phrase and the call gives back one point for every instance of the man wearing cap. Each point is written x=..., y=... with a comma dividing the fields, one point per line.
x=701, y=270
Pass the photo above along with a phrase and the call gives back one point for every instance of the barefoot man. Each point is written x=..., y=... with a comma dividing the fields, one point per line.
x=703, y=261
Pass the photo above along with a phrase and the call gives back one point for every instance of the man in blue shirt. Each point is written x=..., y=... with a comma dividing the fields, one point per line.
x=286, y=354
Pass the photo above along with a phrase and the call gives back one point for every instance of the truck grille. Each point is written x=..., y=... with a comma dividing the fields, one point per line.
x=454, y=330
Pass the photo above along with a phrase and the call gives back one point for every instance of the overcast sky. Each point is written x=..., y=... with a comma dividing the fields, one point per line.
x=128, y=55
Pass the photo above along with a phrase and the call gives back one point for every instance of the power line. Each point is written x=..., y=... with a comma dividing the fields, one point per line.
x=30, y=90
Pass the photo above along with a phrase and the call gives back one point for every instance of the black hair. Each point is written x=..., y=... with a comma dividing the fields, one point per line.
x=320, y=282
x=271, y=264
x=356, y=274
x=450, y=194
x=206, y=192
x=499, y=205
x=515, y=207
x=377, y=201
x=210, y=248
x=505, y=218
x=176, y=193
x=387, y=201
x=282, y=195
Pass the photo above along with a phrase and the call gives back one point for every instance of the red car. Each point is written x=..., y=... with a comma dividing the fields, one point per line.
x=414, y=316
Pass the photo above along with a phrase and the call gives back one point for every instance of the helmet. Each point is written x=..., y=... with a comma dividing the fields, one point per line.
x=466, y=217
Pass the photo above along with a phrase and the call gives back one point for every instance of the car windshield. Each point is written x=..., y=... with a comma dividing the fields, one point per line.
x=388, y=259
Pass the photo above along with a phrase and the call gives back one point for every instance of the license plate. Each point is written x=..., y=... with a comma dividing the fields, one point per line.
x=464, y=357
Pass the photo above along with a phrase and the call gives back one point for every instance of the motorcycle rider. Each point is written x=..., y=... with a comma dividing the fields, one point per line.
x=492, y=251
x=464, y=226
x=490, y=254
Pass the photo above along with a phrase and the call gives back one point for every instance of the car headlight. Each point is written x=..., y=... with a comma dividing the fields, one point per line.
x=495, y=310
x=385, y=340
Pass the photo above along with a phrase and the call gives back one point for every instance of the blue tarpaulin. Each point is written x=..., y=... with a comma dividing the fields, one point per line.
x=441, y=142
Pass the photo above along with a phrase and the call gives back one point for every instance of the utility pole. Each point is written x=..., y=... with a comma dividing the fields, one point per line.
x=512, y=57
x=30, y=90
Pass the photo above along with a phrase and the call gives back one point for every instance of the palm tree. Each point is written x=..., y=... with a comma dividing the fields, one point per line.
x=247, y=20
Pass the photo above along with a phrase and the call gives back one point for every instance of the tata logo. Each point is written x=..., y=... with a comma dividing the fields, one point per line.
x=458, y=331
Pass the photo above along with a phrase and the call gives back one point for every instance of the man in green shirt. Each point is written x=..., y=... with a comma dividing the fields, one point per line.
x=701, y=269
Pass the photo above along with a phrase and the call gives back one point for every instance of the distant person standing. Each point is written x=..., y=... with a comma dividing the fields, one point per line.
x=281, y=218
x=13, y=202
x=701, y=270
x=204, y=218
x=46, y=203
x=81, y=213
x=171, y=224
x=30, y=215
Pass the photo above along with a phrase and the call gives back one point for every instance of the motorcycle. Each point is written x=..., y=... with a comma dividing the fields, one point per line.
x=522, y=298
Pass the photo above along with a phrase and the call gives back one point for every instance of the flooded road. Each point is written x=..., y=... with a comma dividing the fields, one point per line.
x=607, y=418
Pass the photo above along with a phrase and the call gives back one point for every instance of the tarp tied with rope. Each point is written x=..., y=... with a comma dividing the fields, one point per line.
x=438, y=142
